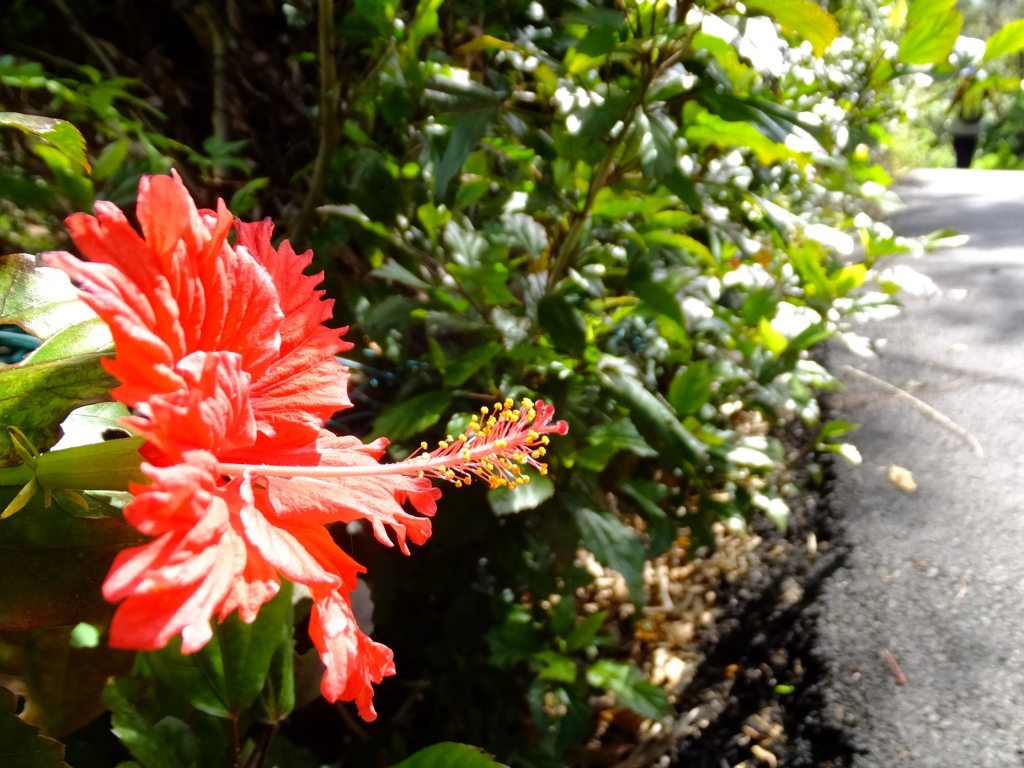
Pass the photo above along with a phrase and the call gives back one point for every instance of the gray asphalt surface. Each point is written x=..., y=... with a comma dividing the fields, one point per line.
x=936, y=577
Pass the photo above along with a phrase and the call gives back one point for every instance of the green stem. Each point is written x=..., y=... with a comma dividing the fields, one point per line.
x=18, y=475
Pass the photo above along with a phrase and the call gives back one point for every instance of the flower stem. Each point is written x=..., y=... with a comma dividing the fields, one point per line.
x=18, y=475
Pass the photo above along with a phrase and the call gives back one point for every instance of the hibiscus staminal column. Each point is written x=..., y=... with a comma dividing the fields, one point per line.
x=496, y=447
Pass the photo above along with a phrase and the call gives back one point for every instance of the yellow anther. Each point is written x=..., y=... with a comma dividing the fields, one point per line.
x=544, y=439
x=527, y=402
x=501, y=443
x=450, y=439
x=509, y=402
x=532, y=436
x=424, y=445
x=532, y=414
x=526, y=478
x=421, y=473
x=483, y=410
x=543, y=469
x=465, y=453
x=497, y=406
x=442, y=444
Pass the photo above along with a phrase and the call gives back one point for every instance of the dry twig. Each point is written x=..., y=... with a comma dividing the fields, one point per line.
x=939, y=418
x=889, y=659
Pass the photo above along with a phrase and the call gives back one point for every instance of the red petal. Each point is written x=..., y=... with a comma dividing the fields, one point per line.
x=305, y=386
x=183, y=289
x=354, y=662
x=211, y=412
x=377, y=499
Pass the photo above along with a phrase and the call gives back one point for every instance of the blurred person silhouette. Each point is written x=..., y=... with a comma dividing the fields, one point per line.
x=965, y=129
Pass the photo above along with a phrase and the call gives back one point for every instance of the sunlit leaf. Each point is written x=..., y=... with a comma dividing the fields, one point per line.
x=804, y=18
x=631, y=688
x=509, y=501
x=1007, y=40
x=59, y=133
x=931, y=40
x=449, y=755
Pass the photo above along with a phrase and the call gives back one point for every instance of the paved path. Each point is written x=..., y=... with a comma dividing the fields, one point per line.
x=936, y=577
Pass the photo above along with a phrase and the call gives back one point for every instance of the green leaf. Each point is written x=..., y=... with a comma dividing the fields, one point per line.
x=659, y=298
x=1007, y=40
x=449, y=755
x=37, y=396
x=86, y=425
x=152, y=746
x=772, y=339
x=615, y=546
x=52, y=565
x=685, y=190
x=21, y=745
x=683, y=243
x=469, y=128
x=277, y=699
x=631, y=688
x=760, y=303
x=110, y=159
x=804, y=18
x=41, y=300
x=921, y=8
x=653, y=418
x=410, y=417
x=423, y=24
x=599, y=41
x=58, y=133
x=555, y=666
x=931, y=40
x=459, y=371
x=835, y=429
x=661, y=528
x=510, y=501
x=608, y=439
x=226, y=675
x=86, y=337
x=393, y=271
x=711, y=130
x=563, y=323
x=691, y=388
x=245, y=197
x=583, y=634
x=658, y=147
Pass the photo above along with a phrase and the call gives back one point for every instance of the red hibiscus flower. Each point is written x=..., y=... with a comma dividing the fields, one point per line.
x=231, y=374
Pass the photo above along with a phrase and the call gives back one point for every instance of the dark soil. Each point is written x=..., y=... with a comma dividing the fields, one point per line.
x=761, y=664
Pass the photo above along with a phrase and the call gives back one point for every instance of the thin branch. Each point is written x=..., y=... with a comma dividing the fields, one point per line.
x=219, y=117
x=328, y=114
x=597, y=180
x=350, y=722
x=939, y=418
